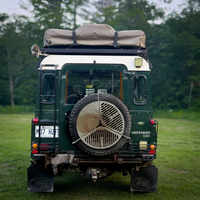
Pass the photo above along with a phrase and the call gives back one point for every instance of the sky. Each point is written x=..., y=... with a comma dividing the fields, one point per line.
x=13, y=6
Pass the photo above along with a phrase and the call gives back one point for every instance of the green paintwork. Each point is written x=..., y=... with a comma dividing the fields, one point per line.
x=141, y=114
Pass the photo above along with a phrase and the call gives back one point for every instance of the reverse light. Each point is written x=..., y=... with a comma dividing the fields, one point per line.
x=34, y=146
x=34, y=151
x=152, y=146
x=152, y=121
x=143, y=145
x=35, y=120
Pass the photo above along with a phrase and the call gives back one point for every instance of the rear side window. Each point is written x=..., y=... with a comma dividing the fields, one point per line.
x=140, y=94
x=48, y=89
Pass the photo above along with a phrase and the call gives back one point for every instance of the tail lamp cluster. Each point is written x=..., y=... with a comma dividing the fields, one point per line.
x=35, y=145
x=35, y=148
x=42, y=147
x=152, y=149
x=143, y=146
x=152, y=146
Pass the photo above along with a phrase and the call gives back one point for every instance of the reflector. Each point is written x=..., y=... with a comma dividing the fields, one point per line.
x=44, y=145
x=152, y=121
x=35, y=120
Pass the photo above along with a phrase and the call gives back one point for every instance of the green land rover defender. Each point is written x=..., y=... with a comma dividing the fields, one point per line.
x=93, y=111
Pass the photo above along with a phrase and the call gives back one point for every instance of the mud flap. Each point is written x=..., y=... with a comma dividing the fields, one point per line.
x=40, y=179
x=144, y=180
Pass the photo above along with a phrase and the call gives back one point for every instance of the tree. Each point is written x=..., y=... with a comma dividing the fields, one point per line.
x=76, y=8
x=48, y=14
x=177, y=60
x=58, y=13
x=14, y=42
x=130, y=15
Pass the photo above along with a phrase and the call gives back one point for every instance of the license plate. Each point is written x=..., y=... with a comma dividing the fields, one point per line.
x=46, y=131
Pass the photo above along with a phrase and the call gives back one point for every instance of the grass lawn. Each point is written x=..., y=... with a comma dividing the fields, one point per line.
x=178, y=162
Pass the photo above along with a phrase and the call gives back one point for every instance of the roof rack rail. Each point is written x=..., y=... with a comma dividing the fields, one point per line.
x=93, y=51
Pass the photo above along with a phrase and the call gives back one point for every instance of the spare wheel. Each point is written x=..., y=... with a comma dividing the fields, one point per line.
x=100, y=124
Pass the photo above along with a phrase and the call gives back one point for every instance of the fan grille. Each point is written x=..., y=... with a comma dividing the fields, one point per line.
x=110, y=128
x=101, y=138
x=112, y=117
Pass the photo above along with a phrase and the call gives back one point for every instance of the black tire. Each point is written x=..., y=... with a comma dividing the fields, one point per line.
x=94, y=98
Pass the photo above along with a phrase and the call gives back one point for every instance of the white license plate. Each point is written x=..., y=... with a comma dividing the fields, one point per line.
x=46, y=131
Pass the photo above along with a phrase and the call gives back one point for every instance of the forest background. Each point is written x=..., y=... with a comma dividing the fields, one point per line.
x=173, y=45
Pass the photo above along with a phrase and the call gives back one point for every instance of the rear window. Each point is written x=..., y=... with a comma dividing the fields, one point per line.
x=81, y=82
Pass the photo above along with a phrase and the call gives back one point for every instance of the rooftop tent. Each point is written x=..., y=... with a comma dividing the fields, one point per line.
x=94, y=35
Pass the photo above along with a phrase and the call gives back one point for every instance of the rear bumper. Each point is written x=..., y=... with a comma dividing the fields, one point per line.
x=77, y=159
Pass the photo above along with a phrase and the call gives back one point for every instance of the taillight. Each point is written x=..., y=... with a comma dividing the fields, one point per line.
x=152, y=152
x=152, y=121
x=34, y=151
x=35, y=120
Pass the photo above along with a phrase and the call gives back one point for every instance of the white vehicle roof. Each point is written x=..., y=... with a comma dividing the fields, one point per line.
x=61, y=60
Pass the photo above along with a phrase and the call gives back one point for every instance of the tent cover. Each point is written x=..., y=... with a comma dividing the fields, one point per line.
x=94, y=35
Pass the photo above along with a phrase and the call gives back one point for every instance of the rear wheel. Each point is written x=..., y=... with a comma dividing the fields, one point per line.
x=100, y=124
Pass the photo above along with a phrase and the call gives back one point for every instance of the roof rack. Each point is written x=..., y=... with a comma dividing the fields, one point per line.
x=94, y=51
